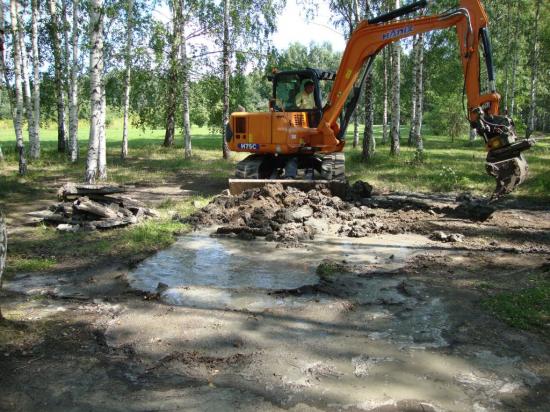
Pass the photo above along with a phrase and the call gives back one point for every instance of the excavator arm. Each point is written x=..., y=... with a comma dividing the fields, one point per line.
x=504, y=160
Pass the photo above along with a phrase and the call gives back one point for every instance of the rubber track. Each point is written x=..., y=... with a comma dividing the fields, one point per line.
x=334, y=166
x=249, y=168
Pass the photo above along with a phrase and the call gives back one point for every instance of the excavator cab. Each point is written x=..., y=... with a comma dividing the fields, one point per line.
x=289, y=85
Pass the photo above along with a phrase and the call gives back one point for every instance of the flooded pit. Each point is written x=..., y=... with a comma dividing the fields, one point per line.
x=215, y=272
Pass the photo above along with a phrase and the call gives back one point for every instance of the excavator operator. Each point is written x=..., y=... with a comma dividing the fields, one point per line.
x=305, y=99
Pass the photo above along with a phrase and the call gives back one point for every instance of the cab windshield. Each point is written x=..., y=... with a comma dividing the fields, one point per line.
x=288, y=89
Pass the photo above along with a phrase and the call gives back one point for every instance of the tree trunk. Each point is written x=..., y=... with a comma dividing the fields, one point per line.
x=355, y=130
x=18, y=89
x=97, y=125
x=473, y=135
x=185, y=96
x=385, y=99
x=226, y=73
x=419, y=93
x=3, y=71
x=102, y=159
x=515, y=46
x=73, y=89
x=35, y=141
x=59, y=83
x=414, y=56
x=171, y=101
x=395, y=101
x=3, y=243
x=369, y=143
x=26, y=85
x=534, y=74
x=128, y=62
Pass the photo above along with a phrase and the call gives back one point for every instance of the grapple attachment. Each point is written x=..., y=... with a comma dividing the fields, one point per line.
x=505, y=161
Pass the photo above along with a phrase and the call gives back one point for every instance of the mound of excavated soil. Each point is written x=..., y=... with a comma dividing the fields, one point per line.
x=290, y=215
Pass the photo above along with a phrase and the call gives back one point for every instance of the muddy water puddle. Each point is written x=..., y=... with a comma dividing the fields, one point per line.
x=212, y=272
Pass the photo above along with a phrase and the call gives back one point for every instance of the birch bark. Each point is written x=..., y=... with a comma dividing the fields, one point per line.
x=171, y=102
x=185, y=95
x=96, y=92
x=419, y=93
x=73, y=88
x=226, y=72
x=58, y=67
x=18, y=89
x=35, y=142
x=534, y=74
x=395, y=101
x=128, y=62
x=28, y=100
x=385, y=98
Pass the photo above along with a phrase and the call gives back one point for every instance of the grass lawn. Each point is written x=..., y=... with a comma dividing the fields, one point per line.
x=448, y=166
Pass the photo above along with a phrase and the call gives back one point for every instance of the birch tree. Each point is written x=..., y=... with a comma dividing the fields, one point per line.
x=18, y=89
x=73, y=88
x=226, y=63
x=3, y=242
x=173, y=75
x=28, y=100
x=35, y=142
x=54, y=28
x=97, y=120
x=185, y=95
x=128, y=63
x=385, y=57
x=534, y=73
x=395, y=101
x=369, y=143
x=419, y=97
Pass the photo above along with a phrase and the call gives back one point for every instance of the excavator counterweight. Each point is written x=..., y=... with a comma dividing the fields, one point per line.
x=302, y=136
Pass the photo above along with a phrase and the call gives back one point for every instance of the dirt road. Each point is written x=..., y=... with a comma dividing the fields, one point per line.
x=392, y=321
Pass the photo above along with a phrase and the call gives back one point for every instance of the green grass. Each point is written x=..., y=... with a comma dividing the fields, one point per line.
x=527, y=308
x=447, y=166
x=29, y=264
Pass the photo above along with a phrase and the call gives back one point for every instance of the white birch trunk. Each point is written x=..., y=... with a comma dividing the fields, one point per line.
x=102, y=158
x=419, y=93
x=73, y=89
x=226, y=73
x=59, y=73
x=18, y=89
x=128, y=62
x=96, y=92
x=355, y=129
x=414, y=56
x=35, y=142
x=385, y=99
x=26, y=83
x=473, y=135
x=534, y=75
x=188, y=152
x=3, y=70
x=395, y=101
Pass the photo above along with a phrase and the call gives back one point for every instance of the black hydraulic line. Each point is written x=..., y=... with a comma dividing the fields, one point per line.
x=352, y=104
x=410, y=8
x=484, y=34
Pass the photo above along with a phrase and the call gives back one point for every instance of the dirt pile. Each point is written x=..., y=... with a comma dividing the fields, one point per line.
x=290, y=215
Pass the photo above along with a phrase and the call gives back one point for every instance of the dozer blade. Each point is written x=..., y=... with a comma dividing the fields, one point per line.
x=237, y=186
x=508, y=166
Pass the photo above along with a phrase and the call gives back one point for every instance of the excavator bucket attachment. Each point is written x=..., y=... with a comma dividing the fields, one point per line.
x=508, y=166
x=509, y=174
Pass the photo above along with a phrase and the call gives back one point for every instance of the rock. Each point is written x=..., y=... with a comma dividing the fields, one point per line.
x=64, y=227
x=444, y=237
x=301, y=213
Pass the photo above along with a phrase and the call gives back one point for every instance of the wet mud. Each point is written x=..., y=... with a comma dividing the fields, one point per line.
x=285, y=300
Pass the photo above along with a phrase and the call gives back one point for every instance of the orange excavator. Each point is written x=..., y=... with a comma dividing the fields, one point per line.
x=302, y=138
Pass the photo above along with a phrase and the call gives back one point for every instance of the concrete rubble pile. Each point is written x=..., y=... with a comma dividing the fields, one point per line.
x=91, y=207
